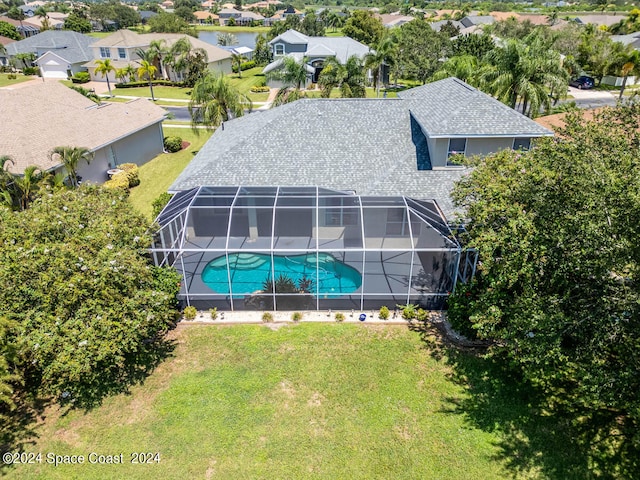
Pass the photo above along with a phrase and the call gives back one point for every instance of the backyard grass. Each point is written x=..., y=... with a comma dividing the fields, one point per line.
x=157, y=175
x=321, y=401
x=5, y=81
x=99, y=34
x=250, y=78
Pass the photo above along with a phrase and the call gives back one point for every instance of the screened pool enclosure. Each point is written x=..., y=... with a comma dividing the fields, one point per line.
x=296, y=248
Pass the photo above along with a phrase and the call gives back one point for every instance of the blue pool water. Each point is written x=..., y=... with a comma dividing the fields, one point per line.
x=250, y=270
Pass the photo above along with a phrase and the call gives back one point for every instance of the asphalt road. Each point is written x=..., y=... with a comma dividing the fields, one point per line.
x=180, y=114
x=591, y=98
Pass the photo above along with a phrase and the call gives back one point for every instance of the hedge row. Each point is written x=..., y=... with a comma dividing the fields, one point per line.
x=126, y=179
x=166, y=83
x=258, y=89
x=245, y=66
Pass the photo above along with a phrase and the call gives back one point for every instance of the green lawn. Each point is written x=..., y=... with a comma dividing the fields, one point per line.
x=218, y=28
x=5, y=81
x=159, y=91
x=249, y=78
x=307, y=401
x=99, y=34
x=157, y=175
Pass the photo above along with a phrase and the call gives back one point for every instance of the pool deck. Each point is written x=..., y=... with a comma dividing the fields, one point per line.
x=315, y=316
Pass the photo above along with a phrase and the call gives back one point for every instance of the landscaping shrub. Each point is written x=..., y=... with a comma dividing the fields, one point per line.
x=267, y=317
x=259, y=89
x=160, y=202
x=12, y=76
x=172, y=144
x=339, y=317
x=81, y=77
x=165, y=83
x=119, y=180
x=296, y=317
x=214, y=313
x=189, y=313
x=384, y=313
x=131, y=169
x=422, y=315
x=245, y=66
x=408, y=311
x=31, y=71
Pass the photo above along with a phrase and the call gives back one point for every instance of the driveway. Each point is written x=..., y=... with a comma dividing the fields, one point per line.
x=592, y=98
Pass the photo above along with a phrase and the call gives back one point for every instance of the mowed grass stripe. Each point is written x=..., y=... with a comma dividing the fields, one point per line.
x=305, y=401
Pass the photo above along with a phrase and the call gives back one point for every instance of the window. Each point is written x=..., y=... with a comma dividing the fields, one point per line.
x=122, y=53
x=521, y=143
x=456, y=146
x=279, y=49
x=105, y=52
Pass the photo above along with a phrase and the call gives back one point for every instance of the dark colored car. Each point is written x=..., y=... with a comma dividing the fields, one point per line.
x=583, y=83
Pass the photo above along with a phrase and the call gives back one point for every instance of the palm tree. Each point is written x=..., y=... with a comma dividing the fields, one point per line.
x=214, y=100
x=121, y=74
x=70, y=158
x=463, y=67
x=523, y=73
x=130, y=72
x=226, y=39
x=349, y=78
x=237, y=60
x=186, y=59
x=384, y=54
x=26, y=184
x=104, y=67
x=147, y=68
x=155, y=53
x=293, y=75
x=631, y=65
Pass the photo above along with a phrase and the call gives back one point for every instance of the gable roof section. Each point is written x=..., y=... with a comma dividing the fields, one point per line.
x=69, y=118
x=344, y=47
x=450, y=108
x=122, y=38
x=291, y=36
x=71, y=46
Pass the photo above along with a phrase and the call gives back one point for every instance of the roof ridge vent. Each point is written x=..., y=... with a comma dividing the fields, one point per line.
x=464, y=84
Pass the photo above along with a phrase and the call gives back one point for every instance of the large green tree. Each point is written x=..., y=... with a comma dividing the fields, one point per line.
x=349, y=78
x=364, y=27
x=420, y=50
x=77, y=23
x=9, y=31
x=90, y=322
x=557, y=289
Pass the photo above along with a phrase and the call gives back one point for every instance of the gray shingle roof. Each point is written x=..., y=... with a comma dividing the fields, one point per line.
x=341, y=47
x=344, y=144
x=450, y=108
x=72, y=46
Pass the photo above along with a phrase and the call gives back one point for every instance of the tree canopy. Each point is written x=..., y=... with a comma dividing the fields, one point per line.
x=87, y=311
x=364, y=27
x=558, y=287
x=9, y=31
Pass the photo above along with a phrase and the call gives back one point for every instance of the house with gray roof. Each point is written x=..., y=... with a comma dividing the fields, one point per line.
x=59, y=53
x=471, y=20
x=315, y=49
x=400, y=146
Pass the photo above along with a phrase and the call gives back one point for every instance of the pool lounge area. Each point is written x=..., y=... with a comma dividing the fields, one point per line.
x=285, y=248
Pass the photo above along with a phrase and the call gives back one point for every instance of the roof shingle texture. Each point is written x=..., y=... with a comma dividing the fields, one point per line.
x=43, y=116
x=344, y=144
x=72, y=46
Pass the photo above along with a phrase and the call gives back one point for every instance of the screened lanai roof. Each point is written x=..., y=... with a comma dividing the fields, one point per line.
x=267, y=218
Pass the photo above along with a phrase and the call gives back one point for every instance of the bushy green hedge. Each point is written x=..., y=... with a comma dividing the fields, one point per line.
x=131, y=169
x=257, y=89
x=172, y=144
x=119, y=180
x=245, y=66
x=159, y=203
x=166, y=83
x=81, y=77
x=31, y=71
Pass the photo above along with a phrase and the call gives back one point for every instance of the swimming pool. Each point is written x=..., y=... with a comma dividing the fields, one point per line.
x=249, y=271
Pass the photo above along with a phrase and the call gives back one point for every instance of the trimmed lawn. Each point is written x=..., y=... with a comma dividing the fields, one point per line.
x=157, y=175
x=321, y=401
x=249, y=78
x=159, y=91
x=5, y=81
x=218, y=28
x=99, y=34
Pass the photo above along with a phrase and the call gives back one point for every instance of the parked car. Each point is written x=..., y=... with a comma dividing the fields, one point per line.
x=583, y=83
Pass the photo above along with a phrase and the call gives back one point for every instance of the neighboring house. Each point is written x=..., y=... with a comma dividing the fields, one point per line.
x=438, y=25
x=4, y=57
x=168, y=4
x=40, y=117
x=371, y=146
x=203, y=17
x=599, y=20
x=473, y=20
x=59, y=53
x=226, y=13
x=28, y=10
x=145, y=15
x=24, y=29
x=315, y=49
x=246, y=52
x=209, y=4
x=248, y=18
x=394, y=20
x=121, y=47
x=37, y=22
x=282, y=15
